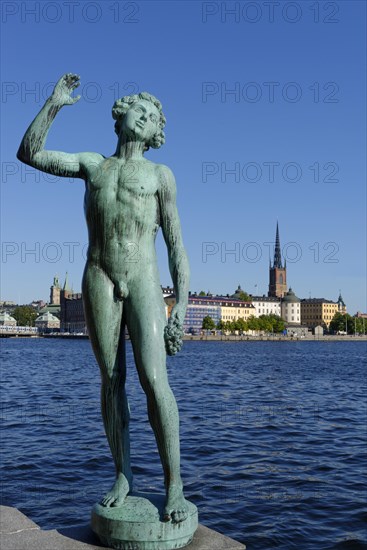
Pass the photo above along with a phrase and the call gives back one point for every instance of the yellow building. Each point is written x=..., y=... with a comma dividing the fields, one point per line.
x=232, y=310
x=317, y=311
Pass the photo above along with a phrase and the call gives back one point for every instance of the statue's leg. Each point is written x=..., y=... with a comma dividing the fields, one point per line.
x=104, y=317
x=146, y=321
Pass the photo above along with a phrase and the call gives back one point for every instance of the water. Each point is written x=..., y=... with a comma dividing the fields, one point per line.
x=273, y=437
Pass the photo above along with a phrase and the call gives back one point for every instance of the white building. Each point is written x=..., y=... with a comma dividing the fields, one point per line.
x=7, y=320
x=266, y=305
x=291, y=308
x=47, y=321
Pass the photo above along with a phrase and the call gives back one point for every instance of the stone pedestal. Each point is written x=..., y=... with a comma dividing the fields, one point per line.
x=17, y=531
x=138, y=525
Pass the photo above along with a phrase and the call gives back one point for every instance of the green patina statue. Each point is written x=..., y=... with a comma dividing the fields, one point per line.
x=127, y=199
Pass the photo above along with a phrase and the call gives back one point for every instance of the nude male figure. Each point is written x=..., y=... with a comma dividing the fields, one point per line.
x=127, y=199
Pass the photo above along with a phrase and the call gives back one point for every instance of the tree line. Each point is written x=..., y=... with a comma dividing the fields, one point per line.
x=340, y=323
x=265, y=323
x=343, y=322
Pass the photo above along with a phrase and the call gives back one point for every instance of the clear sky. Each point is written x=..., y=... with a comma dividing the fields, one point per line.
x=265, y=108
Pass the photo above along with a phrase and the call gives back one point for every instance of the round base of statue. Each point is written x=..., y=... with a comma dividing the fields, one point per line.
x=138, y=524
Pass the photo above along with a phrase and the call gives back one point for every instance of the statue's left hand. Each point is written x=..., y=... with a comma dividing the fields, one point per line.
x=64, y=88
x=173, y=332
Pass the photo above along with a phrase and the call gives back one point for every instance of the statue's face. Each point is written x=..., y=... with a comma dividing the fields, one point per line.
x=141, y=121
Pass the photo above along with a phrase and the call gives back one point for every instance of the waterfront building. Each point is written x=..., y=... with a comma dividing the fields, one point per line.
x=266, y=305
x=361, y=315
x=7, y=320
x=167, y=291
x=232, y=310
x=199, y=307
x=291, y=313
x=54, y=305
x=218, y=308
x=51, y=308
x=291, y=308
x=277, y=272
x=47, y=321
x=72, y=311
x=55, y=291
x=342, y=308
x=318, y=311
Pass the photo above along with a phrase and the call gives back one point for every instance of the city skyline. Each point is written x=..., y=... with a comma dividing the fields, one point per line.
x=210, y=250
x=263, y=124
x=276, y=287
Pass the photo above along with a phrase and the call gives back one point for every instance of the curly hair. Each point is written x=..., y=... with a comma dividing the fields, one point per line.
x=121, y=106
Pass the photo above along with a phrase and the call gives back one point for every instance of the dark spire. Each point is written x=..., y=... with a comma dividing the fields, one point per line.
x=66, y=284
x=277, y=255
x=340, y=299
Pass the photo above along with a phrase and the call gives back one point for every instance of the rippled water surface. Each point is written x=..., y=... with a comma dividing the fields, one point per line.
x=273, y=437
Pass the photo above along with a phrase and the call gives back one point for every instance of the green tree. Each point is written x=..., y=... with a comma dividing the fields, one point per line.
x=208, y=323
x=253, y=323
x=241, y=325
x=265, y=323
x=277, y=323
x=220, y=325
x=345, y=323
x=337, y=323
x=25, y=316
x=360, y=325
x=355, y=325
x=228, y=326
x=202, y=293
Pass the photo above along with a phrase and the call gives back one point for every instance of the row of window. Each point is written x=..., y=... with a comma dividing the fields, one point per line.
x=262, y=304
x=232, y=317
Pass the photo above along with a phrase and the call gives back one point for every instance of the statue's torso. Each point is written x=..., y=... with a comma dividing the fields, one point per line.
x=122, y=213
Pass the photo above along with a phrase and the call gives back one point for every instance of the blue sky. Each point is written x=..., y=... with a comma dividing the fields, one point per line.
x=265, y=109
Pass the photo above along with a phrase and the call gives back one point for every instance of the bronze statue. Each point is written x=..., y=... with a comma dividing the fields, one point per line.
x=127, y=199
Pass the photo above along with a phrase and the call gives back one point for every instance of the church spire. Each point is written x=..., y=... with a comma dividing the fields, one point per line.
x=277, y=255
x=277, y=273
x=66, y=284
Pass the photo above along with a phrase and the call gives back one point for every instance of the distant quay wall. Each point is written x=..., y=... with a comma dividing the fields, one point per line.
x=217, y=338
x=277, y=338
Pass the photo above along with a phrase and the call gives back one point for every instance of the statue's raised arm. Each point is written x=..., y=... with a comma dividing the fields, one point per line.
x=31, y=150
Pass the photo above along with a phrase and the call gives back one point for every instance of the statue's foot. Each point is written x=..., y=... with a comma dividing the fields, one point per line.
x=129, y=477
x=176, y=505
x=116, y=496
